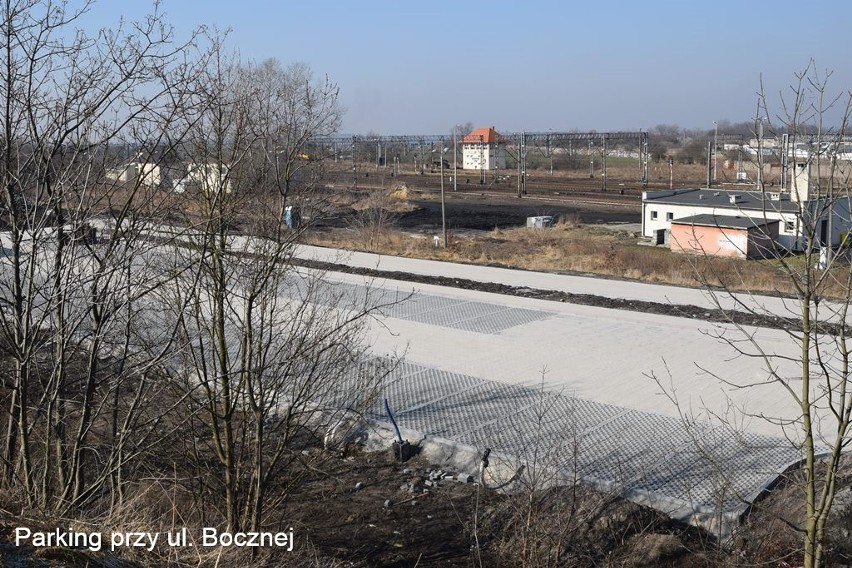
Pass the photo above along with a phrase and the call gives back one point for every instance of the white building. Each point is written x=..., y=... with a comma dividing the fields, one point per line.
x=483, y=149
x=830, y=217
x=211, y=178
x=146, y=173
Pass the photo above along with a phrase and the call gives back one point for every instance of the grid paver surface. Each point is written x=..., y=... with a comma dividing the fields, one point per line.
x=631, y=450
x=622, y=448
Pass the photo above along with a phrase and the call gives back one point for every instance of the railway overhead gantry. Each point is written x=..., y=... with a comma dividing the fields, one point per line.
x=381, y=150
x=599, y=143
x=427, y=148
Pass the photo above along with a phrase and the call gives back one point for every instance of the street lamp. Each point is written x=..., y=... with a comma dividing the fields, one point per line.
x=443, y=207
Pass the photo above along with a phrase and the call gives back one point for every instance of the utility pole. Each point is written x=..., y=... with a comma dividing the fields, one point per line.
x=709, y=147
x=759, y=154
x=829, y=244
x=520, y=143
x=715, y=150
x=455, y=167
x=671, y=173
x=591, y=161
x=354, y=167
x=550, y=153
x=443, y=210
x=522, y=165
x=481, y=159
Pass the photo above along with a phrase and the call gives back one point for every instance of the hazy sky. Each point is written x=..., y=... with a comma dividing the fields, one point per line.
x=420, y=67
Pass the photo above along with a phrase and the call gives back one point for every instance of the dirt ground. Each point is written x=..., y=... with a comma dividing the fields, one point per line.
x=365, y=509
x=376, y=511
x=478, y=212
x=481, y=210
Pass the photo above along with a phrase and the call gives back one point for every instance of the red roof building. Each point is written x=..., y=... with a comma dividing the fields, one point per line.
x=484, y=149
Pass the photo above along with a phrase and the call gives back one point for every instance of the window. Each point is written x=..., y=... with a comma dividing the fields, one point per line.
x=653, y=215
x=790, y=226
x=669, y=216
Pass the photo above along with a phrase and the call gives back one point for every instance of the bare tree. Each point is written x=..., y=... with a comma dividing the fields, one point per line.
x=269, y=355
x=72, y=105
x=816, y=265
x=373, y=217
x=824, y=396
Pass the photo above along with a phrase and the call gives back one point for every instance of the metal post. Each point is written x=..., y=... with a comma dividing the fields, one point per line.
x=671, y=173
x=455, y=165
x=519, y=167
x=591, y=161
x=709, y=147
x=550, y=152
x=760, y=154
x=443, y=210
x=829, y=244
x=715, y=150
x=481, y=159
x=354, y=167
x=523, y=163
x=603, y=163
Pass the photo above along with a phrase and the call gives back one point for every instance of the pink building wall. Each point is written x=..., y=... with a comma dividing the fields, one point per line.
x=755, y=242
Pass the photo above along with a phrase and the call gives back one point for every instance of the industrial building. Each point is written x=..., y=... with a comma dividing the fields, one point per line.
x=747, y=224
x=724, y=235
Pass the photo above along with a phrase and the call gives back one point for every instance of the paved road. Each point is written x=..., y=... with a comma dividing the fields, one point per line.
x=605, y=287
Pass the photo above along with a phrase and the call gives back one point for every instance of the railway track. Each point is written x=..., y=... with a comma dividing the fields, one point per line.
x=565, y=195
x=561, y=191
x=539, y=188
x=621, y=190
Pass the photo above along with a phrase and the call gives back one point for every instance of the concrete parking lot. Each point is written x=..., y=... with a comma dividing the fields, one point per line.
x=655, y=406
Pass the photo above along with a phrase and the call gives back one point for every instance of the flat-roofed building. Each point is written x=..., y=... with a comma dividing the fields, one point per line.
x=724, y=235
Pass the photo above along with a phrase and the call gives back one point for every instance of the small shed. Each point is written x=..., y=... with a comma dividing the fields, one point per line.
x=724, y=235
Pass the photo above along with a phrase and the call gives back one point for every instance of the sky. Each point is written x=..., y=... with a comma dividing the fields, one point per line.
x=537, y=65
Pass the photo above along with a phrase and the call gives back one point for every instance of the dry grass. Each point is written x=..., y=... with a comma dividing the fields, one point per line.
x=569, y=247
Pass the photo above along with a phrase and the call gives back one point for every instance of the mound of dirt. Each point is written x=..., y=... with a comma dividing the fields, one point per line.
x=400, y=193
